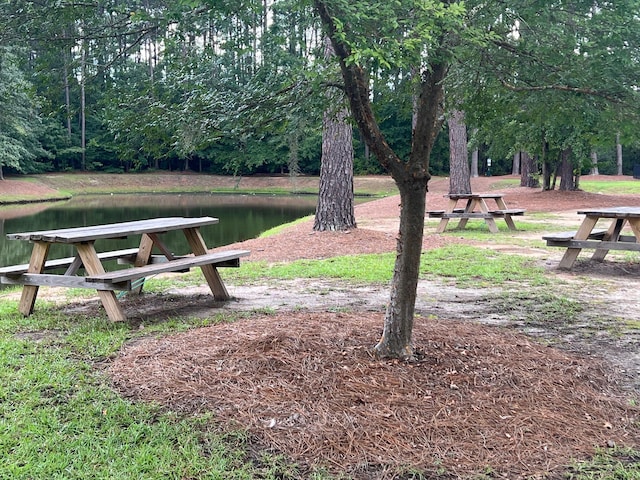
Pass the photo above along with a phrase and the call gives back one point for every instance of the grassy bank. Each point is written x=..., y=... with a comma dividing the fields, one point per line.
x=103, y=183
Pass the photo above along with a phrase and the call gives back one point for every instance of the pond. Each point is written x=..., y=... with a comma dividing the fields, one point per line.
x=241, y=217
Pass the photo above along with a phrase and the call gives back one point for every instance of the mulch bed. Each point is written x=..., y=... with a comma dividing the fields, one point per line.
x=305, y=385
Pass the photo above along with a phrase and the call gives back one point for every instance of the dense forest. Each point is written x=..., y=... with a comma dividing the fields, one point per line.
x=240, y=87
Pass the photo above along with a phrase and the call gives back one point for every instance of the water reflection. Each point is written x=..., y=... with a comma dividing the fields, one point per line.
x=241, y=217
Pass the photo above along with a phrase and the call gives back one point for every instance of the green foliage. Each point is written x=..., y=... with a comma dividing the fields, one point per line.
x=19, y=121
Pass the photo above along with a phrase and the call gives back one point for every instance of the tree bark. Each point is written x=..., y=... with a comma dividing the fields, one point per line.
x=459, y=174
x=618, y=154
x=335, y=209
x=515, y=167
x=528, y=171
x=565, y=171
x=411, y=177
x=594, y=163
x=474, y=163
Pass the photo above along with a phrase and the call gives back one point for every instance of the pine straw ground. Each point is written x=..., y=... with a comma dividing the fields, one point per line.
x=306, y=385
x=478, y=399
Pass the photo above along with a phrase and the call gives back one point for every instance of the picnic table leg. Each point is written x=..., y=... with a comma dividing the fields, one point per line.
x=444, y=221
x=468, y=208
x=142, y=258
x=583, y=232
x=211, y=274
x=613, y=233
x=36, y=265
x=93, y=266
x=634, y=223
x=491, y=223
x=507, y=218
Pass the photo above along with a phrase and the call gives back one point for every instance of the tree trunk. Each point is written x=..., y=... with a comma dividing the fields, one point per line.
x=459, y=175
x=411, y=177
x=594, y=163
x=618, y=154
x=396, y=341
x=528, y=171
x=515, y=167
x=565, y=171
x=474, y=163
x=335, y=209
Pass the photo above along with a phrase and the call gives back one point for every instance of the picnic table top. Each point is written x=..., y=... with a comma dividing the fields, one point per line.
x=474, y=195
x=612, y=212
x=113, y=230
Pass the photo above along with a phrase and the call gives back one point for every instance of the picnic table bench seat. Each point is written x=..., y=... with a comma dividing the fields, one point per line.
x=595, y=240
x=68, y=261
x=460, y=213
x=122, y=279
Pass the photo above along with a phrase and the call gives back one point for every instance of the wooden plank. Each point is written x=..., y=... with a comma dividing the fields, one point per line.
x=471, y=215
x=172, y=266
x=53, y=280
x=210, y=272
x=36, y=265
x=509, y=211
x=93, y=266
x=114, y=230
x=564, y=236
x=64, y=262
x=595, y=245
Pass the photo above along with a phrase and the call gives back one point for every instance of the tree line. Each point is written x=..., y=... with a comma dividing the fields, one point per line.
x=240, y=87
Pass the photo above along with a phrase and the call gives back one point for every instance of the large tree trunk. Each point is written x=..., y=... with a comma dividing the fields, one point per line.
x=411, y=177
x=335, y=209
x=565, y=170
x=459, y=174
x=528, y=171
x=335, y=197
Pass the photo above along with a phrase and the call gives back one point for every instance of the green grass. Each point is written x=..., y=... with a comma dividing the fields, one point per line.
x=622, y=187
x=466, y=266
x=613, y=464
x=59, y=418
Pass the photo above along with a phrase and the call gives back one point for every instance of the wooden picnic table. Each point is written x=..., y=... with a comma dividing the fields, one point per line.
x=144, y=263
x=601, y=240
x=476, y=207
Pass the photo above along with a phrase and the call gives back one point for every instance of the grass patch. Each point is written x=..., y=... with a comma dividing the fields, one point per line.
x=479, y=267
x=622, y=187
x=59, y=417
x=467, y=266
x=618, y=464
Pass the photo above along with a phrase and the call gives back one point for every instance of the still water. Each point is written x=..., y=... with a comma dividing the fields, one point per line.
x=241, y=217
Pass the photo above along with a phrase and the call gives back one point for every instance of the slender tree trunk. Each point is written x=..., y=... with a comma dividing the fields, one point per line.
x=594, y=163
x=459, y=175
x=411, y=177
x=474, y=163
x=515, y=167
x=618, y=154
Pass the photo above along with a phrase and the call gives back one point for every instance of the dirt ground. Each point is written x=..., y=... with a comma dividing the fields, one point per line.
x=494, y=390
